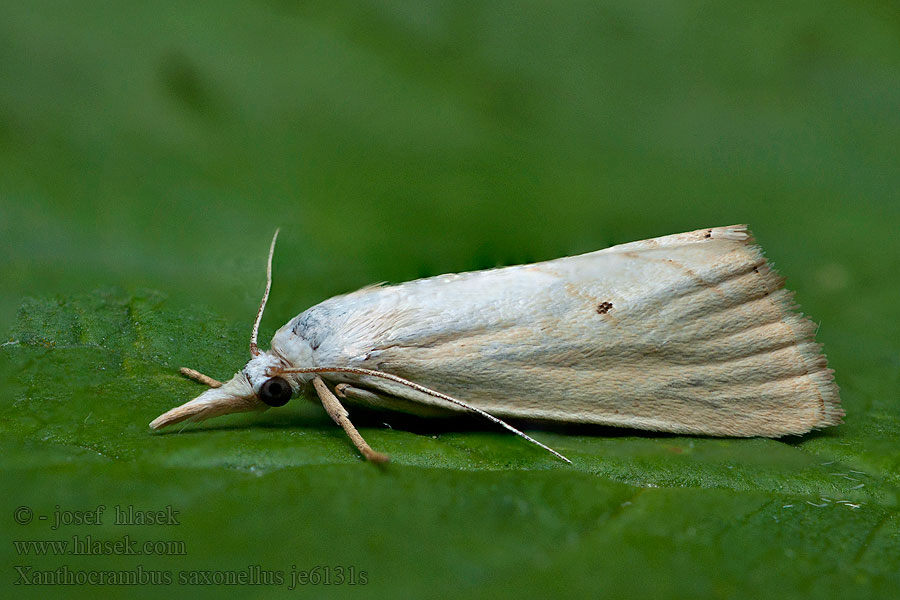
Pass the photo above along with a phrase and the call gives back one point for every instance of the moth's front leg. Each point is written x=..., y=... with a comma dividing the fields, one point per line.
x=340, y=416
x=198, y=376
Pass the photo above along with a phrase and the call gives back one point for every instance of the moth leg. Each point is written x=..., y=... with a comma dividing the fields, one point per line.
x=387, y=402
x=340, y=415
x=198, y=376
x=345, y=390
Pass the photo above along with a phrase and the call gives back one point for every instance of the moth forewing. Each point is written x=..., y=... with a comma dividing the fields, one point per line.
x=687, y=333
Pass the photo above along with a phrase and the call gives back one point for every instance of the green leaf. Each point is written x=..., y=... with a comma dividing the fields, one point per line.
x=287, y=488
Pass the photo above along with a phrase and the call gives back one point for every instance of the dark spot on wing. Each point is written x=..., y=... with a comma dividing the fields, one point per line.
x=315, y=325
x=604, y=307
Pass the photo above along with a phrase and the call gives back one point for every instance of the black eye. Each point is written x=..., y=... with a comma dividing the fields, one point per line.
x=275, y=392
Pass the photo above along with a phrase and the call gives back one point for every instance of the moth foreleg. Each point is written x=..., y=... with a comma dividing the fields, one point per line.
x=198, y=376
x=340, y=416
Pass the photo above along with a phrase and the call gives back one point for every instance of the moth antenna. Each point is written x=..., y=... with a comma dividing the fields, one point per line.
x=428, y=391
x=254, y=349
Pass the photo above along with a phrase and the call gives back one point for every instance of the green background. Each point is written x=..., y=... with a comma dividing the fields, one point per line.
x=148, y=151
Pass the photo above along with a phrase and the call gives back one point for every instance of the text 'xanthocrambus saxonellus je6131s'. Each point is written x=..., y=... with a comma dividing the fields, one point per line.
x=688, y=333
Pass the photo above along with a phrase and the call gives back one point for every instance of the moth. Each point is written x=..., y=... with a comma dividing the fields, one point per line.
x=690, y=333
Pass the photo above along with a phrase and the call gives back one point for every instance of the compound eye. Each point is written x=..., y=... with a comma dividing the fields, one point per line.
x=275, y=392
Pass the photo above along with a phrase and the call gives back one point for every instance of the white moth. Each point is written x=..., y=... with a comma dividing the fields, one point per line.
x=688, y=333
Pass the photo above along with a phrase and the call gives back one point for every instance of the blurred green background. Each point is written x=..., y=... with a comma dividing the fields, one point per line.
x=148, y=151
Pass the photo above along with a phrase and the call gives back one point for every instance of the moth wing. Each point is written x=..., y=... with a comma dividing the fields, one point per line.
x=688, y=333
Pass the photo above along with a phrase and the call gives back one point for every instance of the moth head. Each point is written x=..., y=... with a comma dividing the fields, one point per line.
x=235, y=395
x=268, y=387
x=251, y=389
